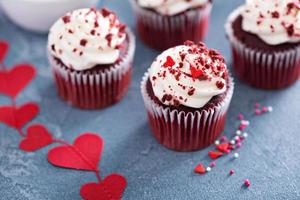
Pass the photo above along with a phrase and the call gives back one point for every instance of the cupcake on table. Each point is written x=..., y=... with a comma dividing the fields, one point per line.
x=162, y=24
x=187, y=92
x=91, y=54
x=265, y=40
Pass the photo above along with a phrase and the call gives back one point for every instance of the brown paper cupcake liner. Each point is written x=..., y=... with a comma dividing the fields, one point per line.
x=266, y=70
x=162, y=32
x=95, y=89
x=186, y=131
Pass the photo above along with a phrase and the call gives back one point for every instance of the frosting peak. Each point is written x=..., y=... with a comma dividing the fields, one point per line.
x=188, y=75
x=171, y=7
x=274, y=21
x=86, y=37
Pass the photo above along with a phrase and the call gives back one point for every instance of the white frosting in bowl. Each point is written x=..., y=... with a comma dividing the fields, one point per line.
x=274, y=21
x=188, y=75
x=171, y=7
x=86, y=37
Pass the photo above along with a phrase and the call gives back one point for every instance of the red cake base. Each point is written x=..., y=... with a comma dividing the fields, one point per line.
x=91, y=95
x=186, y=129
x=162, y=32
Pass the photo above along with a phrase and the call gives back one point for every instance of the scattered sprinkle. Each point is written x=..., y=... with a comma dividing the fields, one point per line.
x=238, y=132
x=247, y=183
x=231, y=172
x=208, y=169
x=215, y=154
x=199, y=169
x=212, y=164
x=236, y=155
x=217, y=142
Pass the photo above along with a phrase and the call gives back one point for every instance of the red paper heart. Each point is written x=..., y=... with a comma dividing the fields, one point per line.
x=84, y=154
x=223, y=147
x=12, y=82
x=214, y=154
x=200, y=169
x=3, y=50
x=111, y=188
x=37, y=137
x=18, y=117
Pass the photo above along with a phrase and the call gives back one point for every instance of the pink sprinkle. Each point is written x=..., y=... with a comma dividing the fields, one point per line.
x=264, y=109
x=240, y=116
x=247, y=183
x=242, y=126
x=231, y=172
x=227, y=151
x=257, y=105
x=223, y=138
x=257, y=112
x=238, y=140
x=238, y=145
x=213, y=164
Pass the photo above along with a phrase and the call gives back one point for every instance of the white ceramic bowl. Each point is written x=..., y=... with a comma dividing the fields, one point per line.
x=39, y=15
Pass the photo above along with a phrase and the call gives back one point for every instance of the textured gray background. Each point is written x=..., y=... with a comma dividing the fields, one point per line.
x=269, y=157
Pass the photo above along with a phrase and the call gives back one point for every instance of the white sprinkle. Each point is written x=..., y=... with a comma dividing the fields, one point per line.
x=245, y=135
x=208, y=169
x=237, y=137
x=236, y=155
x=217, y=142
x=245, y=122
x=270, y=109
x=238, y=132
x=232, y=142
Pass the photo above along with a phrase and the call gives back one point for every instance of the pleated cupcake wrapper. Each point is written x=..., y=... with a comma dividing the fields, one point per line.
x=274, y=70
x=91, y=90
x=162, y=32
x=186, y=131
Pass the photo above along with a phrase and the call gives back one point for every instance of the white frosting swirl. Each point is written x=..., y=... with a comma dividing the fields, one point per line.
x=171, y=7
x=85, y=38
x=274, y=21
x=188, y=75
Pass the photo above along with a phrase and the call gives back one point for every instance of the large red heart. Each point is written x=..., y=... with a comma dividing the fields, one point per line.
x=85, y=154
x=12, y=82
x=37, y=137
x=111, y=188
x=18, y=117
x=3, y=50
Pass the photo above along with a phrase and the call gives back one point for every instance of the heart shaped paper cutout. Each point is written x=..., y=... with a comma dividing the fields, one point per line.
x=3, y=50
x=12, y=82
x=18, y=117
x=37, y=137
x=111, y=188
x=85, y=154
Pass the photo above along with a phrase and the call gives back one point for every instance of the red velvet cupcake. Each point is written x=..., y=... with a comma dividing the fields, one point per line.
x=162, y=24
x=91, y=54
x=265, y=40
x=187, y=92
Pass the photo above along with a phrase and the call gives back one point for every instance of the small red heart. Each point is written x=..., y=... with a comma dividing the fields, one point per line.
x=12, y=82
x=200, y=169
x=111, y=188
x=223, y=147
x=3, y=50
x=196, y=73
x=214, y=154
x=37, y=137
x=18, y=117
x=85, y=154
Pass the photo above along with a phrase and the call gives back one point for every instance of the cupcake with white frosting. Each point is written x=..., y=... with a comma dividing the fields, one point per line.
x=265, y=40
x=91, y=54
x=162, y=24
x=187, y=92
